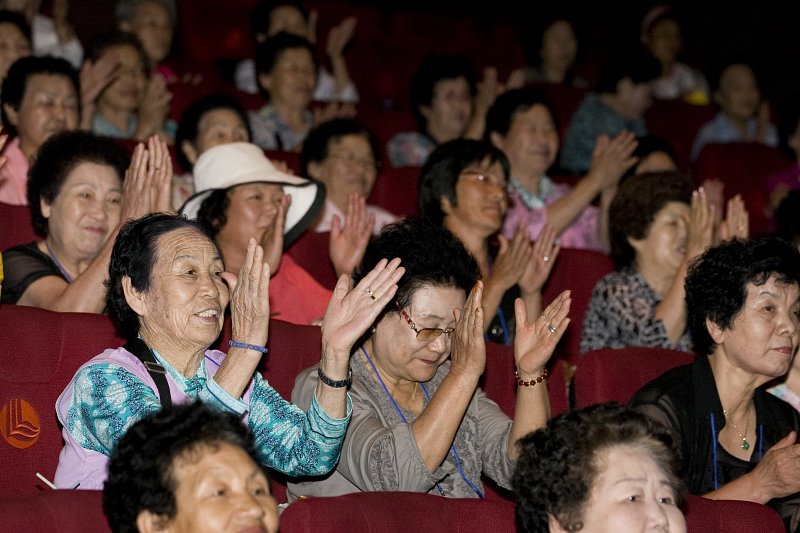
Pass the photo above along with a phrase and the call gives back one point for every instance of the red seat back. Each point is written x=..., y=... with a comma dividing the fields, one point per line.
x=744, y=169
x=39, y=354
x=500, y=384
x=390, y=512
x=678, y=122
x=396, y=190
x=64, y=511
x=579, y=271
x=615, y=375
x=310, y=251
x=704, y=515
x=16, y=226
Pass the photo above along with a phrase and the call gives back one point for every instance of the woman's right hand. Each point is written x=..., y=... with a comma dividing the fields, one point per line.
x=154, y=108
x=700, y=233
x=468, y=347
x=611, y=158
x=354, y=309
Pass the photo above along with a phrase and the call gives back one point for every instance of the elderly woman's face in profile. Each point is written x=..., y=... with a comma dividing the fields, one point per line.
x=221, y=489
x=631, y=493
x=187, y=296
x=763, y=337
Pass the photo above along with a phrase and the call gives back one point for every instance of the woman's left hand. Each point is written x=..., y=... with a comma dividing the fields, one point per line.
x=354, y=309
x=250, y=297
x=535, y=341
x=160, y=165
x=545, y=251
x=349, y=239
x=737, y=220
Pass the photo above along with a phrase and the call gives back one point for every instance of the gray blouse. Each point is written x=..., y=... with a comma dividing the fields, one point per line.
x=380, y=454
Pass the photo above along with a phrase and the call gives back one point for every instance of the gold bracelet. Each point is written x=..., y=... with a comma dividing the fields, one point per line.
x=532, y=382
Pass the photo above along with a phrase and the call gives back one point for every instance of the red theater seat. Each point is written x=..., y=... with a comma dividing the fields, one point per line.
x=390, y=512
x=39, y=354
x=310, y=251
x=615, y=375
x=678, y=123
x=743, y=168
x=62, y=511
x=16, y=226
x=396, y=190
x=579, y=271
x=724, y=516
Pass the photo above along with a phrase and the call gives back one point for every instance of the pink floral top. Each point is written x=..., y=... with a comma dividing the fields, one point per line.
x=530, y=211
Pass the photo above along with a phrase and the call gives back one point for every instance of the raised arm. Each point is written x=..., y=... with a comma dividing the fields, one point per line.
x=435, y=429
x=534, y=343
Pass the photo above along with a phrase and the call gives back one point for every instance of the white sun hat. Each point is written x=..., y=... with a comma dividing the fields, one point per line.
x=228, y=165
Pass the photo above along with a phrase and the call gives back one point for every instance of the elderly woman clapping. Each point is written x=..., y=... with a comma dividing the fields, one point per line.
x=167, y=292
x=658, y=226
x=80, y=192
x=420, y=423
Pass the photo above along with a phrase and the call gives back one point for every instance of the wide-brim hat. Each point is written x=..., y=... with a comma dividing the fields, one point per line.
x=229, y=165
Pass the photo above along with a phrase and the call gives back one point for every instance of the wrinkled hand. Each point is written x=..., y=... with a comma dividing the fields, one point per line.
x=94, y=78
x=272, y=239
x=468, y=347
x=543, y=256
x=160, y=164
x=534, y=343
x=488, y=89
x=611, y=158
x=250, y=297
x=339, y=36
x=715, y=194
x=354, y=309
x=333, y=110
x=154, y=108
x=778, y=472
x=349, y=239
x=737, y=220
x=512, y=260
x=137, y=192
x=700, y=233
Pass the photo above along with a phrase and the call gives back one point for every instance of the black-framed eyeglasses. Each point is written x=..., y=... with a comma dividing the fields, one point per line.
x=424, y=334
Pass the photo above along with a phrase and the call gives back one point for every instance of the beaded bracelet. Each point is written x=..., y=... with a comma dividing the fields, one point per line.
x=246, y=346
x=532, y=382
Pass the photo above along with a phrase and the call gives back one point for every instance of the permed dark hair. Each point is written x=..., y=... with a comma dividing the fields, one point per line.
x=268, y=52
x=430, y=254
x=316, y=145
x=439, y=176
x=190, y=121
x=58, y=157
x=501, y=114
x=434, y=69
x=16, y=83
x=212, y=214
x=716, y=284
x=262, y=16
x=134, y=254
x=635, y=206
x=559, y=464
x=632, y=62
x=140, y=470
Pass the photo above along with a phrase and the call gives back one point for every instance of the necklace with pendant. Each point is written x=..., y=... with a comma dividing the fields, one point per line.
x=745, y=445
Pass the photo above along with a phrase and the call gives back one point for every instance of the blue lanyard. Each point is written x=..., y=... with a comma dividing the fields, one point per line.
x=403, y=418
